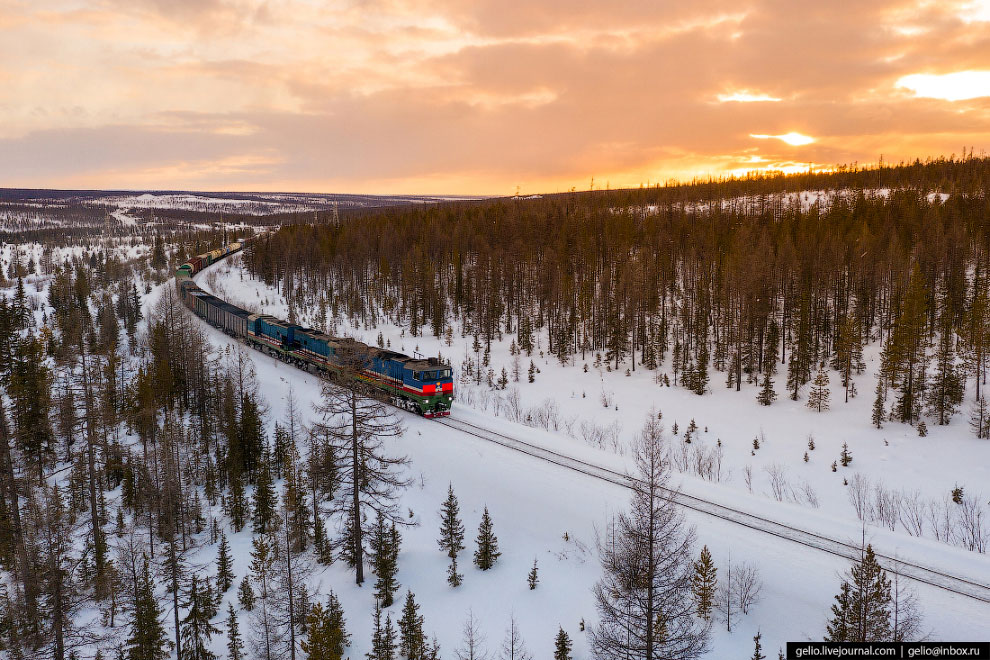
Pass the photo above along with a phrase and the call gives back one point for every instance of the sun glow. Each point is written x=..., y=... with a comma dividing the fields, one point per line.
x=792, y=138
x=745, y=96
x=958, y=86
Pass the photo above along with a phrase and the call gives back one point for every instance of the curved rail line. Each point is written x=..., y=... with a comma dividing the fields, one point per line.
x=924, y=574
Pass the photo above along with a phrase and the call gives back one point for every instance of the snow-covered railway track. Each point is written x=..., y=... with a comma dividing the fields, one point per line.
x=923, y=574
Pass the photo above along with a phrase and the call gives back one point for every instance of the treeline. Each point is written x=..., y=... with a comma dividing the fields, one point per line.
x=763, y=293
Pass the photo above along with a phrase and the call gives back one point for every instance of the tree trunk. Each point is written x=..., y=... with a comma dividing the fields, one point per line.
x=356, y=494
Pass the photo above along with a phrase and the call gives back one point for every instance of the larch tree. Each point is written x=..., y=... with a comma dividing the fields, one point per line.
x=644, y=599
x=356, y=425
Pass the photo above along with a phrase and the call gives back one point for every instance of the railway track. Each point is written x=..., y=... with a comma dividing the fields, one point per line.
x=923, y=574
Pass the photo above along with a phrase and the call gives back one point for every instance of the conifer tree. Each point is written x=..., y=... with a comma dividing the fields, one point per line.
x=147, y=640
x=758, y=648
x=704, y=584
x=819, y=395
x=651, y=615
x=383, y=645
x=487, y=553
x=845, y=457
x=454, y=578
x=562, y=646
x=451, y=528
x=196, y=627
x=908, y=343
x=979, y=419
x=767, y=393
x=534, y=577
x=412, y=639
x=861, y=612
x=328, y=636
x=235, y=645
x=236, y=503
x=385, y=543
x=264, y=519
x=225, y=565
x=245, y=594
x=944, y=393
x=356, y=423
x=879, y=403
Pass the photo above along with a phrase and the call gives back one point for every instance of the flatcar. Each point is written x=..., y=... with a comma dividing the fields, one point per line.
x=424, y=386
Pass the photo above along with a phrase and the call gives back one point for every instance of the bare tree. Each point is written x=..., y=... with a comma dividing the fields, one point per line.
x=644, y=599
x=473, y=641
x=356, y=423
x=905, y=614
x=746, y=586
x=513, y=646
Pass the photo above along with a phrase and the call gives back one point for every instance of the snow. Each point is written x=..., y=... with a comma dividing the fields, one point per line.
x=805, y=200
x=533, y=504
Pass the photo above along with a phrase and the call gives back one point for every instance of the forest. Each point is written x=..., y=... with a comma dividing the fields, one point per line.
x=730, y=281
x=128, y=443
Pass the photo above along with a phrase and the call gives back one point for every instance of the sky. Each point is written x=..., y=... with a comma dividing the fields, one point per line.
x=478, y=96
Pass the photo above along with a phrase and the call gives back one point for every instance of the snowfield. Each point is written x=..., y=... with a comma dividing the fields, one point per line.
x=550, y=513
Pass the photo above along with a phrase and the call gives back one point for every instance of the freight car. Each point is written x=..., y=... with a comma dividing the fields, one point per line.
x=424, y=386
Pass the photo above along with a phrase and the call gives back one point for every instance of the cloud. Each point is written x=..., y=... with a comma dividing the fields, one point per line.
x=957, y=86
x=465, y=96
x=792, y=138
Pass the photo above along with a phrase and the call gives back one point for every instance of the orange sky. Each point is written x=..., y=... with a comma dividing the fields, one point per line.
x=477, y=96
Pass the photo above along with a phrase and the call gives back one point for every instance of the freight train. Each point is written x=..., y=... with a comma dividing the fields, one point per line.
x=424, y=386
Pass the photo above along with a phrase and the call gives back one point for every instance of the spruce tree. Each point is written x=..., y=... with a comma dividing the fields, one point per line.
x=534, y=577
x=235, y=645
x=225, y=565
x=819, y=395
x=147, y=640
x=704, y=583
x=245, y=594
x=383, y=645
x=196, y=627
x=562, y=646
x=236, y=504
x=758, y=648
x=487, y=553
x=385, y=543
x=412, y=639
x=451, y=528
x=454, y=578
x=845, y=457
x=264, y=518
x=767, y=393
x=879, y=403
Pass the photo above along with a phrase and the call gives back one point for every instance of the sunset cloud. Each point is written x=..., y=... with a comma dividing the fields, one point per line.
x=958, y=86
x=792, y=138
x=477, y=97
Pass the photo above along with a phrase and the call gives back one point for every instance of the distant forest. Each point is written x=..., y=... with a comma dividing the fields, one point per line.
x=739, y=277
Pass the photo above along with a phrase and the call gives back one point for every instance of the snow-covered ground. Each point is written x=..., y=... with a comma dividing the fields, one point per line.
x=804, y=200
x=534, y=504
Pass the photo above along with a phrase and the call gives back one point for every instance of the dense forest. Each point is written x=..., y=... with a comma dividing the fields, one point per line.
x=734, y=276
